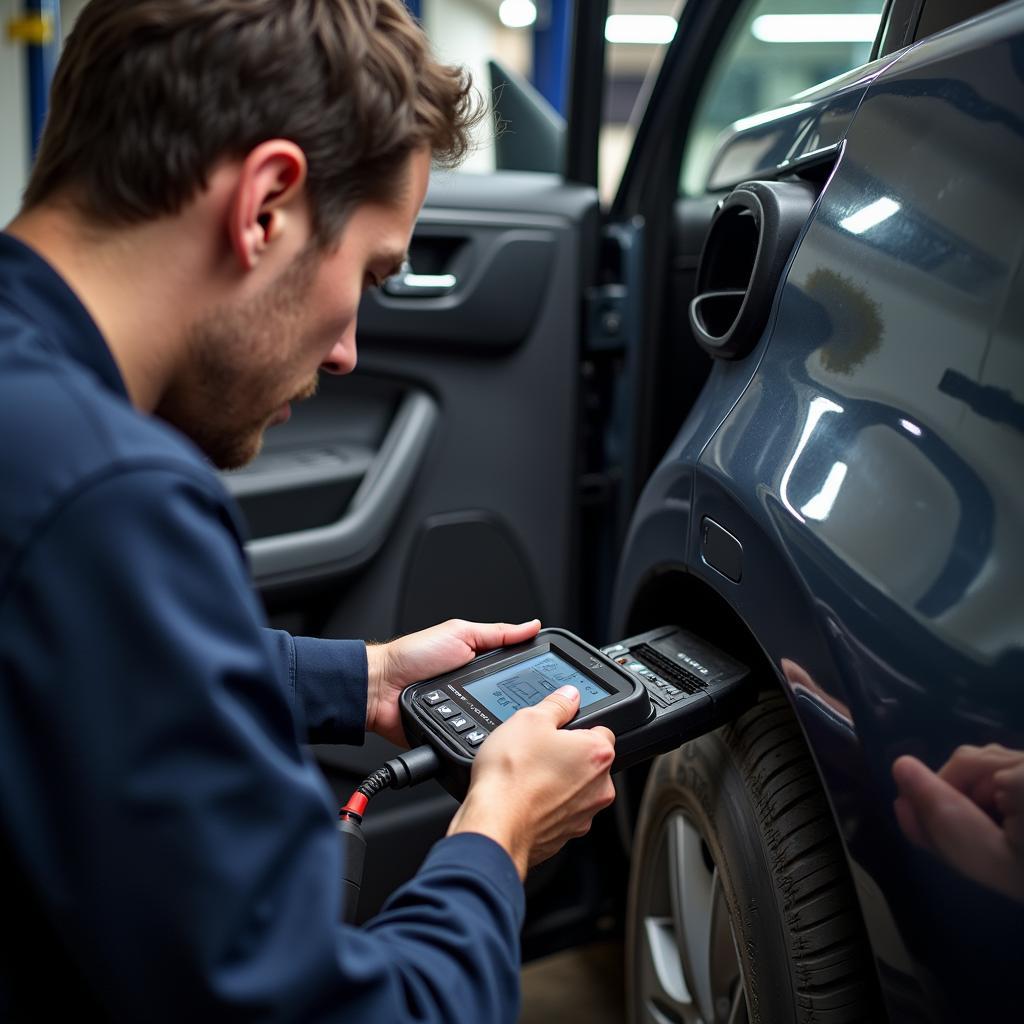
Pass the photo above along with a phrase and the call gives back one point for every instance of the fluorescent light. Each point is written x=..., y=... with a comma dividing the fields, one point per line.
x=816, y=28
x=869, y=216
x=911, y=428
x=767, y=116
x=517, y=13
x=819, y=507
x=640, y=28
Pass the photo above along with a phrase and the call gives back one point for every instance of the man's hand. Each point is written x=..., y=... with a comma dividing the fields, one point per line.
x=969, y=814
x=430, y=652
x=534, y=785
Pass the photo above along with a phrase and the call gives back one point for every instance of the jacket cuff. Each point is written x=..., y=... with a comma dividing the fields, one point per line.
x=331, y=689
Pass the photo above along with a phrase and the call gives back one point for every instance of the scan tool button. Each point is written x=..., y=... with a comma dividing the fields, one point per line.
x=475, y=738
x=460, y=724
x=446, y=710
x=432, y=698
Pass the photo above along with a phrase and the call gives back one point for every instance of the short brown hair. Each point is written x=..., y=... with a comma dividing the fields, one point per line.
x=150, y=94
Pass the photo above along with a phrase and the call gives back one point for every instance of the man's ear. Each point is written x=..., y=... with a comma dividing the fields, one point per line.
x=266, y=200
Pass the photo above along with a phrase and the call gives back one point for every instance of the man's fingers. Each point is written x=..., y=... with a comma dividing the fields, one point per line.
x=907, y=819
x=953, y=826
x=561, y=705
x=968, y=765
x=1009, y=784
x=1008, y=796
x=483, y=636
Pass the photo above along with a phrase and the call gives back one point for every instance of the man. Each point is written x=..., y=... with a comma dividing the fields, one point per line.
x=218, y=182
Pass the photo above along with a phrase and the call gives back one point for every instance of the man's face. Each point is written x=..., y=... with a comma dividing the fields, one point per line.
x=247, y=362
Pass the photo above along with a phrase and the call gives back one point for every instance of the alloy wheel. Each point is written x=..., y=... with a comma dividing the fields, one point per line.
x=689, y=970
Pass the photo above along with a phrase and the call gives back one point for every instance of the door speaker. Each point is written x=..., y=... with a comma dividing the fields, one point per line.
x=467, y=565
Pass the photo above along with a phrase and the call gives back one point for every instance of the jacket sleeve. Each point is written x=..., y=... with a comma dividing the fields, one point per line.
x=181, y=843
x=326, y=684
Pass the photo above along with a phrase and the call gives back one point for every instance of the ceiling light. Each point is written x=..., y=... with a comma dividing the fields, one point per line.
x=517, y=13
x=767, y=116
x=816, y=28
x=869, y=216
x=640, y=28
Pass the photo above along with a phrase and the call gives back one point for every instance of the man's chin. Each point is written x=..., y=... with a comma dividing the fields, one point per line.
x=282, y=415
x=241, y=449
x=235, y=453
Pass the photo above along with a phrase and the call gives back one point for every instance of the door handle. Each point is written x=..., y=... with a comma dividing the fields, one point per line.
x=351, y=541
x=407, y=285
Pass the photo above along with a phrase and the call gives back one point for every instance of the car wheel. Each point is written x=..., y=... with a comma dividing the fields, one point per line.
x=741, y=906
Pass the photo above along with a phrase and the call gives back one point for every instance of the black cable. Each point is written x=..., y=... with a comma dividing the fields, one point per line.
x=381, y=779
x=404, y=770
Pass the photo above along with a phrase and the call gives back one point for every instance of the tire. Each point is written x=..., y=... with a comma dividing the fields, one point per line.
x=741, y=906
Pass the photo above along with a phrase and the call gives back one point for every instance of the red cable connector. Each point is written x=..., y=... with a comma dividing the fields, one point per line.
x=356, y=804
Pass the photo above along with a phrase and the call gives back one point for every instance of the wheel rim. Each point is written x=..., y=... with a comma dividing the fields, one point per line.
x=689, y=967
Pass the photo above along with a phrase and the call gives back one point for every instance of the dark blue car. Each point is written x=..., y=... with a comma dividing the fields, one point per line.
x=843, y=506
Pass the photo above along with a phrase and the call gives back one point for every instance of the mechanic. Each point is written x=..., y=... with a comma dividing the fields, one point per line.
x=217, y=183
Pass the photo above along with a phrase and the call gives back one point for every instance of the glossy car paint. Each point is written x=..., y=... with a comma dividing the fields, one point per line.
x=869, y=457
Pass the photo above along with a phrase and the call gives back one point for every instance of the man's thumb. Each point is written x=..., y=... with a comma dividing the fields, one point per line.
x=562, y=704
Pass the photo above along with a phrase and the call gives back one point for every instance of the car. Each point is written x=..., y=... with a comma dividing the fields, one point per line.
x=772, y=392
x=839, y=507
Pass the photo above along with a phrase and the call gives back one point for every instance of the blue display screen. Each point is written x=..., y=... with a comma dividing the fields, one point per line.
x=530, y=681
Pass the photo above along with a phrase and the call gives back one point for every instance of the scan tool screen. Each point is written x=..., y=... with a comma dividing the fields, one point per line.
x=528, y=682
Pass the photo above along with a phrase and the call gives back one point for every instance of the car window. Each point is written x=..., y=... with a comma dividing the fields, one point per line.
x=774, y=50
x=530, y=40
x=530, y=43
x=637, y=35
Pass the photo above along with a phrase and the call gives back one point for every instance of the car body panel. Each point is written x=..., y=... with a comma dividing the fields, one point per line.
x=868, y=457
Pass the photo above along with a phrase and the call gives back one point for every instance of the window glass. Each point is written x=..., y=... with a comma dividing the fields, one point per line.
x=531, y=39
x=471, y=33
x=637, y=35
x=774, y=49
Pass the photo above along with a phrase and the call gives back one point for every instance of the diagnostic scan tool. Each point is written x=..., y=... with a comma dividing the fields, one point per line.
x=654, y=691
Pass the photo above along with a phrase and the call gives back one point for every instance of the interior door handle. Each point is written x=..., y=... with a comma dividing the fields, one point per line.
x=407, y=285
x=354, y=539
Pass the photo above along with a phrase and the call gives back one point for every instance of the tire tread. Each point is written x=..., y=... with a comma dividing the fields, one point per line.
x=832, y=969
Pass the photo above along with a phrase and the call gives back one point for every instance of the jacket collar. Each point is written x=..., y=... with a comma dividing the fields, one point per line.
x=31, y=287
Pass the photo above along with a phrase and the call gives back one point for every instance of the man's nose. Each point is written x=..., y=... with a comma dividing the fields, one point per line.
x=342, y=357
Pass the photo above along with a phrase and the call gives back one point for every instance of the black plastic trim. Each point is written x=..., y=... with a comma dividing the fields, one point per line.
x=357, y=536
x=586, y=96
x=728, y=314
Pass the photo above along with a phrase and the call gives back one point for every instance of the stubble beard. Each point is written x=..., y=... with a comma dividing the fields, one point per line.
x=237, y=369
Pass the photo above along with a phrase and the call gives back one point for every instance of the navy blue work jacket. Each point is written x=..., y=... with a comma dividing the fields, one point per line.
x=168, y=850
